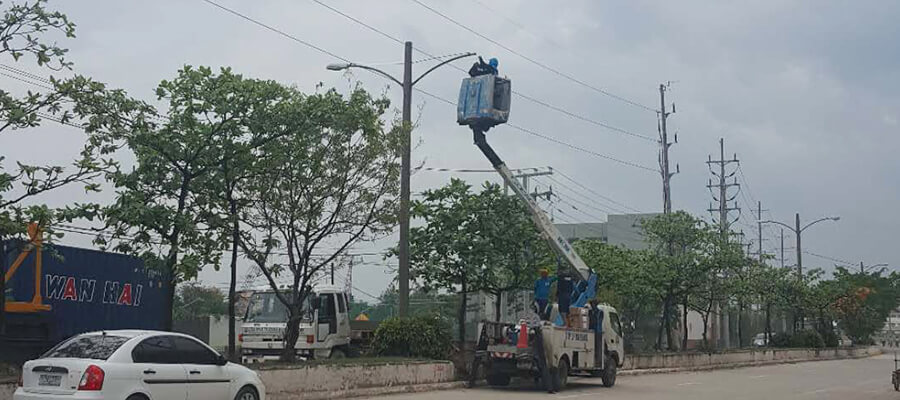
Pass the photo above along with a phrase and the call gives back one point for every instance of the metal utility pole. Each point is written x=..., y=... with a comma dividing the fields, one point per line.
x=405, y=162
x=722, y=186
x=782, y=247
x=664, y=149
x=797, y=231
x=407, y=84
x=759, y=225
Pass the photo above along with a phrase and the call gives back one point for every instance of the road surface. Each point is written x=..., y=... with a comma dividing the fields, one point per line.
x=868, y=378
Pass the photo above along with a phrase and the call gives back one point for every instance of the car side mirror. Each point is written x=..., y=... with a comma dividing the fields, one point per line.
x=221, y=360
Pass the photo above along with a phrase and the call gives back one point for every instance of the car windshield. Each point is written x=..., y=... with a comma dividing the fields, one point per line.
x=266, y=307
x=96, y=347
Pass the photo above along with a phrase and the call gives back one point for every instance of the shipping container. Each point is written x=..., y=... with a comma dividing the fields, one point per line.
x=86, y=290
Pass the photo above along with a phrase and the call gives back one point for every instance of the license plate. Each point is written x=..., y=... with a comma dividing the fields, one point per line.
x=49, y=380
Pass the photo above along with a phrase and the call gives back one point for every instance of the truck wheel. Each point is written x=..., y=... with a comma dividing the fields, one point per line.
x=498, y=379
x=560, y=375
x=337, y=353
x=609, y=372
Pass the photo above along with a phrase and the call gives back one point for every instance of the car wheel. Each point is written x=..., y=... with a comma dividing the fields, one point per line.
x=247, y=393
x=609, y=372
x=137, y=397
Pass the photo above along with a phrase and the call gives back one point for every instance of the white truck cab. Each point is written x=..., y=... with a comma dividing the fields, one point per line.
x=324, y=329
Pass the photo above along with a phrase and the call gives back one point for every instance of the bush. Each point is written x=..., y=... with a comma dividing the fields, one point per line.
x=830, y=338
x=420, y=336
x=781, y=340
x=807, y=339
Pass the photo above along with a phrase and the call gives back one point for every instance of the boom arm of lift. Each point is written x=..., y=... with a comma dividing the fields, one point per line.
x=587, y=286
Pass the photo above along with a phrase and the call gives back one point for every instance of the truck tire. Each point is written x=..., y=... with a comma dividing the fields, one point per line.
x=337, y=353
x=609, y=372
x=498, y=379
x=560, y=375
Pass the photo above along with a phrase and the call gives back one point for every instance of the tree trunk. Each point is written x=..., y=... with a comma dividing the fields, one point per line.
x=667, y=314
x=291, y=334
x=659, y=331
x=768, y=323
x=705, y=317
x=232, y=293
x=498, y=306
x=740, y=325
x=170, y=302
x=684, y=323
x=462, y=317
x=2, y=286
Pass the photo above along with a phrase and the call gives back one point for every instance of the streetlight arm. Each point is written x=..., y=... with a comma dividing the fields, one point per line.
x=440, y=65
x=782, y=224
x=817, y=221
x=377, y=71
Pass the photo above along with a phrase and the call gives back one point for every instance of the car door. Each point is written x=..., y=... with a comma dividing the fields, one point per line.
x=207, y=380
x=158, y=365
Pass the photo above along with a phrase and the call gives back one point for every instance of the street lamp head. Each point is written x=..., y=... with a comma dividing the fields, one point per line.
x=337, y=66
x=835, y=218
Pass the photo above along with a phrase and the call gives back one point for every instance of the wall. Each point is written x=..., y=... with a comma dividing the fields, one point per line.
x=691, y=360
x=331, y=381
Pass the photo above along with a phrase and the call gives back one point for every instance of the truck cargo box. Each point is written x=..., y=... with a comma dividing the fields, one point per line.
x=87, y=290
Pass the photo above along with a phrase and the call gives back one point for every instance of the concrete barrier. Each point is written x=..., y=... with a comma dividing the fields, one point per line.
x=331, y=381
x=740, y=358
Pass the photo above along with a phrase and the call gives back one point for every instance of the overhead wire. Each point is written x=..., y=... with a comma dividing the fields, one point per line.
x=530, y=132
x=515, y=92
x=535, y=62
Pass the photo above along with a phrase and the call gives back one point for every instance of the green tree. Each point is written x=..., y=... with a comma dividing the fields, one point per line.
x=330, y=182
x=628, y=281
x=714, y=286
x=163, y=210
x=678, y=241
x=199, y=301
x=865, y=302
x=25, y=31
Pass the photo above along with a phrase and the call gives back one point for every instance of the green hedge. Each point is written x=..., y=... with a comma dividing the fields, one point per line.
x=802, y=339
x=420, y=336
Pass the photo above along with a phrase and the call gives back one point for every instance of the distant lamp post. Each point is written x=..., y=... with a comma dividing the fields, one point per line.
x=797, y=231
x=407, y=83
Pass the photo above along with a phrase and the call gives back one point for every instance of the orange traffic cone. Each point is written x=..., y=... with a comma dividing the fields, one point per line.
x=523, y=337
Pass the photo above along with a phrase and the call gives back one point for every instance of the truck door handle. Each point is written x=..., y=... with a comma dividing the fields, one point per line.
x=149, y=372
x=195, y=372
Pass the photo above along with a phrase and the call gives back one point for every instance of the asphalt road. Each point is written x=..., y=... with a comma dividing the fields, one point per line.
x=868, y=378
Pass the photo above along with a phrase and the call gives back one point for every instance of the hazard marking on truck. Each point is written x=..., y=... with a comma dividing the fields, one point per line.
x=61, y=287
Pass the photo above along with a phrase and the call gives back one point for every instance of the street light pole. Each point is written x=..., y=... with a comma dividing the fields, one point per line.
x=403, y=254
x=799, y=252
x=797, y=231
x=405, y=158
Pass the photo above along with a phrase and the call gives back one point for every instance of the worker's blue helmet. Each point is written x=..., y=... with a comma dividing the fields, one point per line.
x=493, y=62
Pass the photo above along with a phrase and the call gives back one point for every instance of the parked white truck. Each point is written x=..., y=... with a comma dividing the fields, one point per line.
x=326, y=330
x=583, y=339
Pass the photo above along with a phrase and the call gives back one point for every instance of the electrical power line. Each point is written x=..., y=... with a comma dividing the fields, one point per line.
x=515, y=92
x=570, y=179
x=837, y=260
x=326, y=52
x=533, y=61
x=610, y=209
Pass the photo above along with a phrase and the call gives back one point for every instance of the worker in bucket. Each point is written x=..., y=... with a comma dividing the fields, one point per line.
x=484, y=68
x=542, y=292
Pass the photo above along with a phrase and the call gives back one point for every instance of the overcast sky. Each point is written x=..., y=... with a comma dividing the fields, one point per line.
x=805, y=93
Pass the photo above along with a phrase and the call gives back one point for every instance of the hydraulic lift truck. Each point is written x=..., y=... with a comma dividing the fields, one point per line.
x=583, y=340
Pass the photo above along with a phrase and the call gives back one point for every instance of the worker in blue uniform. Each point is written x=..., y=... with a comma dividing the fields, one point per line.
x=542, y=292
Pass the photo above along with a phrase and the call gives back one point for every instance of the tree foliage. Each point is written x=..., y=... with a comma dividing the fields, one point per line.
x=199, y=301
x=326, y=184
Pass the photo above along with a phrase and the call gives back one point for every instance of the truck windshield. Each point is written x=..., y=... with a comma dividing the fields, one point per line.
x=265, y=307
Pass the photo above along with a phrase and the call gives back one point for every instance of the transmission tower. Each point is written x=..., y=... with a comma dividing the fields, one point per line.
x=721, y=190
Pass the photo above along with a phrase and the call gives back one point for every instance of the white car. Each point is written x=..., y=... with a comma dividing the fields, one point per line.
x=136, y=365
